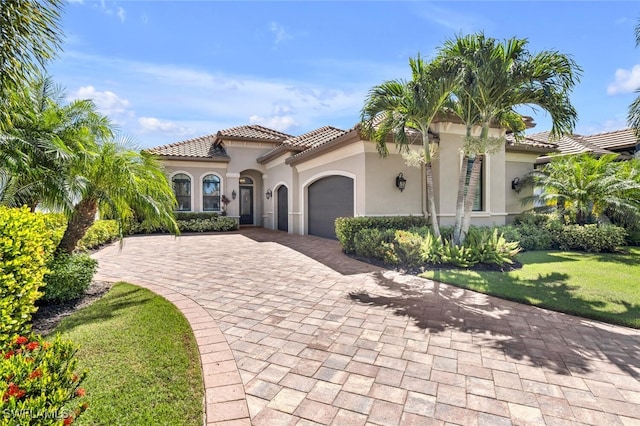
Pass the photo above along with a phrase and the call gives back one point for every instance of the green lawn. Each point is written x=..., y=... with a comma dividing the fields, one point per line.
x=599, y=286
x=143, y=361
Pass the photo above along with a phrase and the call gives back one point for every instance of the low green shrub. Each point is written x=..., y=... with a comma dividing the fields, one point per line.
x=376, y=244
x=529, y=236
x=417, y=246
x=100, y=233
x=348, y=227
x=40, y=384
x=25, y=248
x=408, y=247
x=590, y=238
x=69, y=277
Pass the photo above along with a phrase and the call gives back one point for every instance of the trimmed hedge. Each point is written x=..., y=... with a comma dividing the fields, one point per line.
x=348, y=227
x=591, y=238
x=190, y=222
x=25, y=247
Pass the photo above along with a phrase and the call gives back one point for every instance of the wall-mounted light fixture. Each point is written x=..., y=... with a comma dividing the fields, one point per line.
x=516, y=184
x=401, y=182
x=233, y=194
x=268, y=194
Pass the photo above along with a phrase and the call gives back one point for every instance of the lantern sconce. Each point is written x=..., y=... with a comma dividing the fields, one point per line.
x=401, y=182
x=268, y=194
x=516, y=184
x=233, y=194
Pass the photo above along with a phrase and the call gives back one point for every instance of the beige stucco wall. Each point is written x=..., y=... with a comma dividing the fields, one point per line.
x=383, y=198
x=517, y=165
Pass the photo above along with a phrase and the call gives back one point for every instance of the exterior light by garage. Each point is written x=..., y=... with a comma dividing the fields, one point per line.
x=268, y=194
x=401, y=182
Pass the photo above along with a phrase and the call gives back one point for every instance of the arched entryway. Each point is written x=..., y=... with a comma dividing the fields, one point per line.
x=327, y=199
x=282, y=195
x=246, y=200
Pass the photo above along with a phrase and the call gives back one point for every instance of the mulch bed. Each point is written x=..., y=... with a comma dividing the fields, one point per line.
x=48, y=316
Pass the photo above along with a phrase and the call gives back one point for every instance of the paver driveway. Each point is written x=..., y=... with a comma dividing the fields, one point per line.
x=319, y=338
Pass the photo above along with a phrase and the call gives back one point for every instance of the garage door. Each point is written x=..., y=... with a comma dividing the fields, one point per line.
x=329, y=198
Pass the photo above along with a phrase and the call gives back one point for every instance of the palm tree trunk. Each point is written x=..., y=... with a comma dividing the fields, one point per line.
x=470, y=196
x=431, y=201
x=462, y=180
x=84, y=214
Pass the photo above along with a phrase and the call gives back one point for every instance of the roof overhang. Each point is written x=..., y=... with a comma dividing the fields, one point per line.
x=200, y=159
x=277, y=151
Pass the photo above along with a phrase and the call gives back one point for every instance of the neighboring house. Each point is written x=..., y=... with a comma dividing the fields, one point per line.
x=622, y=142
x=301, y=184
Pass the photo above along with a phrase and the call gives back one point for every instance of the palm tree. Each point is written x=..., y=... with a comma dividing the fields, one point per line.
x=44, y=134
x=633, y=118
x=116, y=180
x=495, y=78
x=583, y=188
x=30, y=37
x=399, y=107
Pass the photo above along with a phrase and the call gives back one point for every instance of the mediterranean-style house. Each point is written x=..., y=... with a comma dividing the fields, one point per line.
x=301, y=184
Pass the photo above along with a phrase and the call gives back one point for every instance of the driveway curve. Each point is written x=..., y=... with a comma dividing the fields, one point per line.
x=292, y=332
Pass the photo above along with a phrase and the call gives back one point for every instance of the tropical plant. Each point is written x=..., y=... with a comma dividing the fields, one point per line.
x=582, y=188
x=30, y=37
x=404, y=108
x=44, y=136
x=494, y=78
x=117, y=181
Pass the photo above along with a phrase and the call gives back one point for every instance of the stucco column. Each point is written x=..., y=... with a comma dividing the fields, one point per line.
x=232, y=184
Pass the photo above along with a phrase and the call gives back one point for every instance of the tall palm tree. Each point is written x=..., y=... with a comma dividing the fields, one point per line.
x=117, y=180
x=633, y=118
x=44, y=134
x=398, y=107
x=583, y=187
x=495, y=78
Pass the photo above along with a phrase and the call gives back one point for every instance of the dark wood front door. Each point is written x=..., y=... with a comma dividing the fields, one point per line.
x=246, y=205
x=283, y=209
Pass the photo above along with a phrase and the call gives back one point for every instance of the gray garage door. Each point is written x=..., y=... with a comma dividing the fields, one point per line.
x=329, y=198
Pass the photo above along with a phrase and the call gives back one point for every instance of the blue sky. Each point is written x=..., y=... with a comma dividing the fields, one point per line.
x=166, y=71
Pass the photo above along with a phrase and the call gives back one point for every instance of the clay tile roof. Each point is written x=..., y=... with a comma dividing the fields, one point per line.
x=315, y=137
x=531, y=141
x=200, y=147
x=253, y=132
x=571, y=144
x=619, y=139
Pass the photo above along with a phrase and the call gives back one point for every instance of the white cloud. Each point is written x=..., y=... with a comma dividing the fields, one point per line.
x=279, y=31
x=121, y=14
x=107, y=102
x=625, y=81
x=172, y=101
x=152, y=124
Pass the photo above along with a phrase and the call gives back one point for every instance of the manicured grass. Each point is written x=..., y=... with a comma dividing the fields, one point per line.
x=143, y=362
x=599, y=286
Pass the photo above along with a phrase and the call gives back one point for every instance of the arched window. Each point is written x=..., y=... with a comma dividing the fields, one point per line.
x=182, y=189
x=211, y=193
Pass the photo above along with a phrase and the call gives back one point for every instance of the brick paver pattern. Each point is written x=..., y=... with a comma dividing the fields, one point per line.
x=300, y=334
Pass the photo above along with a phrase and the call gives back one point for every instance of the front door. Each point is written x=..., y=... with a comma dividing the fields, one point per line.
x=283, y=209
x=246, y=205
